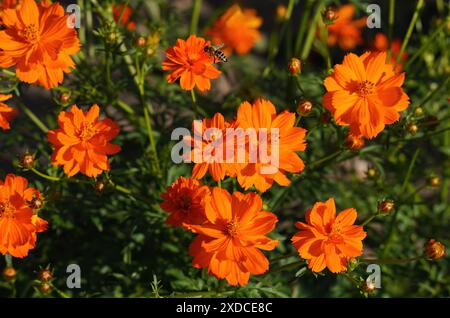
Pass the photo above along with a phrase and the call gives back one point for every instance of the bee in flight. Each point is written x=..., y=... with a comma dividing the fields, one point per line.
x=215, y=52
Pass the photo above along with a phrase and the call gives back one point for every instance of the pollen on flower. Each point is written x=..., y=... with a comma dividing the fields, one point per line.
x=87, y=132
x=365, y=88
x=31, y=33
x=232, y=227
x=7, y=210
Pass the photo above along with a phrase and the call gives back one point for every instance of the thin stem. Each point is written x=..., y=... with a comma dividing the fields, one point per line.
x=326, y=158
x=195, y=16
x=373, y=216
x=284, y=267
x=409, y=171
x=45, y=176
x=327, y=49
x=390, y=27
x=194, y=103
x=125, y=107
x=33, y=117
x=59, y=292
x=148, y=125
x=311, y=33
x=302, y=27
x=410, y=30
x=8, y=72
x=391, y=261
x=431, y=94
x=8, y=260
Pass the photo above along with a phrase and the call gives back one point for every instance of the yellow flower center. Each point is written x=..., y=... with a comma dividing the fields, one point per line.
x=87, y=132
x=365, y=88
x=7, y=210
x=31, y=33
x=232, y=228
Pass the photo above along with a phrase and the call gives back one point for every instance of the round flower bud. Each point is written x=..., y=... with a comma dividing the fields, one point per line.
x=386, y=206
x=141, y=41
x=9, y=273
x=150, y=51
x=435, y=250
x=37, y=203
x=434, y=181
x=354, y=142
x=45, y=275
x=371, y=172
x=281, y=12
x=64, y=98
x=304, y=108
x=412, y=128
x=329, y=15
x=368, y=287
x=295, y=66
x=27, y=161
x=111, y=37
x=45, y=287
x=100, y=185
x=418, y=111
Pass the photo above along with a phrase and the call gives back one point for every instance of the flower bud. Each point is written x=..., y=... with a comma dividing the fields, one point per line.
x=368, y=287
x=435, y=250
x=412, y=128
x=111, y=37
x=352, y=263
x=150, y=51
x=354, y=142
x=141, y=42
x=64, y=98
x=371, y=172
x=434, y=181
x=281, y=12
x=45, y=287
x=386, y=206
x=329, y=15
x=304, y=108
x=295, y=66
x=9, y=273
x=418, y=111
x=27, y=161
x=45, y=275
x=100, y=185
x=37, y=203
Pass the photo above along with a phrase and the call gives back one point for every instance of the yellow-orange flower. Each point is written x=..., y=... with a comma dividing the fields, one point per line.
x=6, y=4
x=229, y=243
x=185, y=201
x=82, y=141
x=327, y=240
x=381, y=43
x=365, y=93
x=124, y=14
x=39, y=42
x=345, y=31
x=237, y=28
x=262, y=116
x=18, y=222
x=209, y=148
x=188, y=61
x=6, y=113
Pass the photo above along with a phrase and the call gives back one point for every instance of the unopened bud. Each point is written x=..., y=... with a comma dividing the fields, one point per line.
x=412, y=128
x=141, y=42
x=45, y=287
x=329, y=16
x=281, y=12
x=45, y=275
x=304, y=108
x=295, y=66
x=435, y=250
x=37, y=203
x=100, y=185
x=434, y=181
x=9, y=273
x=368, y=287
x=418, y=111
x=64, y=98
x=27, y=161
x=371, y=172
x=386, y=206
x=111, y=37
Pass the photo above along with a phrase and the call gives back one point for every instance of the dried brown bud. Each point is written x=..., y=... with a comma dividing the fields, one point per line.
x=9, y=273
x=295, y=66
x=45, y=275
x=386, y=206
x=304, y=108
x=354, y=142
x=435, y=250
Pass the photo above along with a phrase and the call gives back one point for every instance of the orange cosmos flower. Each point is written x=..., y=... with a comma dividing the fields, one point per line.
x=38, y=41
x=345, y=31
x=185, y=201
x=126, y=16
x=259, y=116
x=189, y=62
x=6, y=4
x=6, y=113
x=209, y=148
x=237, y=29
x=327, y=240
x=365, y=93
x=229, y=242
x=18, y=222
x=381, y=43
x=82, y=141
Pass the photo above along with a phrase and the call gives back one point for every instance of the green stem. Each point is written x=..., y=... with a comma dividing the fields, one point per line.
x=431, y=94
x=194, y=103
x=426, y=45
x=370, y=219
x=125, y=107
x=327, y=49
x=409, y=171
x=311, y=33
x=284, y=267
x=8, y=72
x=299, y=85
x=326, y=158
x=195, y=16
x=390, y=28
x=302, y=27
x=274, y=49
x=33, y=118
x=59, y=292
x=148, y=125
x=419, y=6
x=45, y=176
x=391, y=261
x=9, y=260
